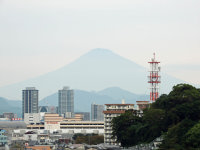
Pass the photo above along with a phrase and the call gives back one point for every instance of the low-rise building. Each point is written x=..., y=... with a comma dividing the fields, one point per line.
x=11, y=125
x=71, y=127
x=86, y=115
x=16, y=119
x=3, y=137
x=8, y=115
x=35, y=126
x=52, y=121
x=43, y=138
x=142, y=104
x=77, y=117
x=30, y=136
x=39, y=147
x=4, y=119
x=113, y=110
x=32, y=118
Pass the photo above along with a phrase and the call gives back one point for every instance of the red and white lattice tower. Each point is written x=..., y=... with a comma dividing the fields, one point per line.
x=154, y=79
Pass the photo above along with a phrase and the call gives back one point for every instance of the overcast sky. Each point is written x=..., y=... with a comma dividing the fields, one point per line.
x=38, y=36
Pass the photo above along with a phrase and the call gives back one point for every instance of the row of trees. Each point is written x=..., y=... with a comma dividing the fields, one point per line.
x=91, y=139
x=175, y=117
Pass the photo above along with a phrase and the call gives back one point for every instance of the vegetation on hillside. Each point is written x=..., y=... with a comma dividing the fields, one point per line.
x=91, y=139
x=175, y=117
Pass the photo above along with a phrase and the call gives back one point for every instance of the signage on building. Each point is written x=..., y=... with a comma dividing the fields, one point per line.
x=16, y=119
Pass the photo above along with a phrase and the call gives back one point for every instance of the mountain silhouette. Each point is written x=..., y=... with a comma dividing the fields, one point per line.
x=84, y=99
x=10, y=106
x=96, y=70
x=119, y=94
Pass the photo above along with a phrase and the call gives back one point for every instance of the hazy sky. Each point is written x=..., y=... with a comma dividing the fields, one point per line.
x=38, y=36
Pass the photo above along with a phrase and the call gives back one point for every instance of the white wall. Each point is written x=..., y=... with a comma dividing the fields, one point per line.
x=31, y=118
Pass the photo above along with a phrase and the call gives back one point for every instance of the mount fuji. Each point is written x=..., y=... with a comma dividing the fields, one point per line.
x=96, y=70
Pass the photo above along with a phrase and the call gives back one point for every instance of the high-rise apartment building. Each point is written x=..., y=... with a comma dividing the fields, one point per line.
x=66, y=102
x=29, y=100
x=97, y=112
x=113, y=110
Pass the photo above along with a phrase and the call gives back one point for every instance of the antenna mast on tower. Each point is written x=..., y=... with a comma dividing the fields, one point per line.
x=154, y=79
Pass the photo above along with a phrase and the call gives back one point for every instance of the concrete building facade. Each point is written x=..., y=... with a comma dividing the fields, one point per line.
x=142, y=104
x=3, y=138
x=32, y=118
x=52, y=121
x=66, y=102
x=86, y=115
x=77, y=117
x=29, y=100
x=97, y=112
x=9, y=115
x=113, y=110
x=84, y=127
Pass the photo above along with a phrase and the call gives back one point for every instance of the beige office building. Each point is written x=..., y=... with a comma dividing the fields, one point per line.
x=52, y=121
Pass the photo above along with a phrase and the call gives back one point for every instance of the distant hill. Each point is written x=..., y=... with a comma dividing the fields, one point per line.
x=118, y=93
x=84, y=99
x=96, y=70
x=10, y=106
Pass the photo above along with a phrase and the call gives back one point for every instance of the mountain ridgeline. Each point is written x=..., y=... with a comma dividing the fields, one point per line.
x=14, y=106
x=82, y=99
x=96, y=70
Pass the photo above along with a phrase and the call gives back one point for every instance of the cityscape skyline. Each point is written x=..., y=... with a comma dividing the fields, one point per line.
x=80, y=74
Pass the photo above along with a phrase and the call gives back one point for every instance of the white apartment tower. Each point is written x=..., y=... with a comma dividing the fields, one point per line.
x=113, y=110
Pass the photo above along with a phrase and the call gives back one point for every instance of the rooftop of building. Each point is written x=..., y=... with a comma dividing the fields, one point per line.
x=82, y=122
x=13, y=124
x=142, y=102
x=51, y=114
x=120, y=104
x=114, y=111
x=30, y=88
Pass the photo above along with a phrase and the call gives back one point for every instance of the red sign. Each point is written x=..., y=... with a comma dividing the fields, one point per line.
x=16, y=119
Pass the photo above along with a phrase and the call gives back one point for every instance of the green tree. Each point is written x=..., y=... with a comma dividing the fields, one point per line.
x=175, y=137
x=154, y=120
x=125, y=128
x=193, y=136
x=88, y=139
x=172, y=115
